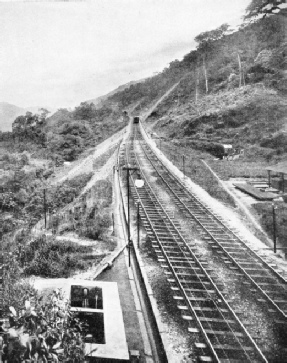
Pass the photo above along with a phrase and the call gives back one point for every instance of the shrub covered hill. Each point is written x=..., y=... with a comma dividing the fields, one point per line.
x=64, y=135
x=231, y=89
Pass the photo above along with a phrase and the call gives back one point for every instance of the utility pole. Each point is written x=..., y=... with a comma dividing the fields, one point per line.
x=138, y=223
x=274, y=227
x=1, y=277
x=205, y=74
x=45, y=207
x=129, y=232
x=138, y=184
x=183, y=165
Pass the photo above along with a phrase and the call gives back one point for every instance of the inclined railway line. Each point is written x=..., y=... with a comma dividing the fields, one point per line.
x=271, y=285
x=221, y=337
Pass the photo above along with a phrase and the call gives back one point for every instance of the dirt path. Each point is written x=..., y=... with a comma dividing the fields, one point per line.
x=98, y=247
x=84, y=166
x=153, y=107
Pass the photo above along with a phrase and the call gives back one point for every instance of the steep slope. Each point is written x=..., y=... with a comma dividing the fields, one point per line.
x=231, y=89
x=99, y=101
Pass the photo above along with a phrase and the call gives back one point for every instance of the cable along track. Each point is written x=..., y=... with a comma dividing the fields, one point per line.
x=265, y=279
x=202, y=305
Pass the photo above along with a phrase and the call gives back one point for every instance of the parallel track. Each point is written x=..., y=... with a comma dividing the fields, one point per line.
x=268, y=282
x=201, y=303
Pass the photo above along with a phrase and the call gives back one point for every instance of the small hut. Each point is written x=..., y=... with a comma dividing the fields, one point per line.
x=279, y=170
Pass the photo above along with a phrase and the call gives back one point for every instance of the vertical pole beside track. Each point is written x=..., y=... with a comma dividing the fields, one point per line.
x=269, y=179
x=183, y=165
x=274, y=227
x=138, y=223
x=45, y=209
x=1, y=277
x=129, y=232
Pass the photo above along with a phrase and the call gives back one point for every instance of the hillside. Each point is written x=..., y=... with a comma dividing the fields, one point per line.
x=232, y=90
x=99, y=101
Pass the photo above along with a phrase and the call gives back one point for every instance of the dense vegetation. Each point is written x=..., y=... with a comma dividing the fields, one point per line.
x=231, y=88
x=42, y=328
x=25, y=196
x=64, y=135
x=51, y=258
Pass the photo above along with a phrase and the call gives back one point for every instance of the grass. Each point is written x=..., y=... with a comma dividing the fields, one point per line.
x=238, y=169
x=265, y=212
x=47, y=257
x=252, y=118
x=196, y=170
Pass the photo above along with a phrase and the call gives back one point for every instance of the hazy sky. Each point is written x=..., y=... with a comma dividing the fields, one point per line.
x=58, y=54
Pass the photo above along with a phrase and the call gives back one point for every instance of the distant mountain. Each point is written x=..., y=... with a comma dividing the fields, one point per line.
x=9, y=112
x=100, y=100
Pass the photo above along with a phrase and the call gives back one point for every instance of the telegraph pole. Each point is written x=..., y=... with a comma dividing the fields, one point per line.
x=128, y=169
x=274, y=227
x=138, y=223
x=1, y=277
x=45, y=207
x=183, y=165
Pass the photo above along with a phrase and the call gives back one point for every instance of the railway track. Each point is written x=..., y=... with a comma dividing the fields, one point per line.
x=262, y=276
x=220, y=336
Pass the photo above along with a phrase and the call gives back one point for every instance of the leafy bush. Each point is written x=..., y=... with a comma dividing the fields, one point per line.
x=52, y=332
x=43, y=329
x=278, y=141
x=214, y=149
x=94, y=227
x=50, y=258
x=258, y=72
x=259, y=153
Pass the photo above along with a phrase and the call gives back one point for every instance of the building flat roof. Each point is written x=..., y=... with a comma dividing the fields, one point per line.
x=278, y=168
x=115, y=346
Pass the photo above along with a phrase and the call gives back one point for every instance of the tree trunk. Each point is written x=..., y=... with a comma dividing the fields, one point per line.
x=205, y=75
x=196, y=86
x=241, y=74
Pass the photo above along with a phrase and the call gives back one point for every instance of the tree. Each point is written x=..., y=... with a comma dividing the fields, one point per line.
x=241, y=71
x=30, y=126
x=18, y=126
x=212, y=35
x=206, y=40
x=43, y=116
x=85, y=111
x=264, y=7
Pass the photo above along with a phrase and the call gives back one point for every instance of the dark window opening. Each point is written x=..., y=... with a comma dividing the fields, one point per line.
x=86, y=297
x=93, y=324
